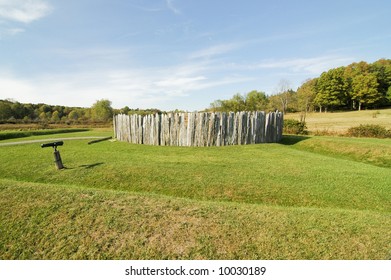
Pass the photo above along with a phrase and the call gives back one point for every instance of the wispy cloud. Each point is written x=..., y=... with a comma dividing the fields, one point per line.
x=109, y=73
x=14, y=31
x=94, y=54
x=314, y=65
x=148, y=9
x=158, y=87
x=10, y=31
x=214, y=51
x=23, y=11
x=171, y=7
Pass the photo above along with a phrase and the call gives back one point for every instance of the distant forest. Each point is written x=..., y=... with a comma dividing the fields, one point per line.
x=357, y=86
x=100, y=112
x=354, y=87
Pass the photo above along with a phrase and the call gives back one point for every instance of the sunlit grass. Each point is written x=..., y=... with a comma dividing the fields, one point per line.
x=63, y=222
x=307, y=198
x=20, y=136
x=340, y=122
x=270, y=174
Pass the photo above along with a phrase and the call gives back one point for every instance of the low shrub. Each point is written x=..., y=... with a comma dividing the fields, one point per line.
x=295, y=127
x=369, y=130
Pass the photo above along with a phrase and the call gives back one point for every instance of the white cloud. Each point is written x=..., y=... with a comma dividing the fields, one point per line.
x=12, y=87
x=179, y=82
x=214, y=51
x=314, y=65
x=93, y=54
x=24, y=11
x=171, y=6
x=10, y=32
x=158, y=87
x=14, y=31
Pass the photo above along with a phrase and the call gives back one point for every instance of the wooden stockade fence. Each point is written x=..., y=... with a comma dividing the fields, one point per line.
x=199, y=129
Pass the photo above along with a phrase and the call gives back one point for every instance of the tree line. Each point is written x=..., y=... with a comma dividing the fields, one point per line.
x=353, y=87
x=101, y=111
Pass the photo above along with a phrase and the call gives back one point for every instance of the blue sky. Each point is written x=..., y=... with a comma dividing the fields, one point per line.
x=183, y=54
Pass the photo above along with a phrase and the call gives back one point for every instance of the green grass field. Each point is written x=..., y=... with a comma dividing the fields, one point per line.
x=305, y=198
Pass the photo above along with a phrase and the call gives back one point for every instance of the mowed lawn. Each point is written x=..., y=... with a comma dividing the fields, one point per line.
x=305, y=198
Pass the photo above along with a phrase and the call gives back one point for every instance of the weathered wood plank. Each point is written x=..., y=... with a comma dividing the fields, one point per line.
x=200, y=129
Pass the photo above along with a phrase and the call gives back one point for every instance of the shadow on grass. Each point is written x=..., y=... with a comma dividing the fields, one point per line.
x=87, y=166
x=292, y=139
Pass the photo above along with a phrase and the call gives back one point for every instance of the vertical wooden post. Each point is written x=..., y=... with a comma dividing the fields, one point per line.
x=57, y=160
x=199, y=129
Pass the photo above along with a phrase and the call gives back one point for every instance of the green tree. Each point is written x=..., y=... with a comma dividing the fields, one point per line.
x=29, y=112
x=17, y=110
x=125, y=110
x=44, y=108
x=274, y=103
x=101, y=111
x=55, y=117
x=237, y=103
x=382, y=70
x=388, y=94
x=252, y=101
x=216, y=105
x=256, y=101
x=306, y=94
x=5, y=110
x=332, y=89
x=357, y=68
x=43, y=116
x=60, y=110
x=365, y=90
x=73, y=116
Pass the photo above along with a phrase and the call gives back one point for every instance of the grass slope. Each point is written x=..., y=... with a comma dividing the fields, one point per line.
x=271, y=174
x=308, y=198
x=376, y=152
x=41, y=221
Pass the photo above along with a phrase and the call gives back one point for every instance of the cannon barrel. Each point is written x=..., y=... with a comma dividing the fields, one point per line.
x=52, y=144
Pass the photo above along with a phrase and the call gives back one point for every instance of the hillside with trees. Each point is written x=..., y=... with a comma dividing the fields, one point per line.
x=354, y=87
x=101, y=112
x=15, y=112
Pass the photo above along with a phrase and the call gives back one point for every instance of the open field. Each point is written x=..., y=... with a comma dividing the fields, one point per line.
x=306, y=198
x=340, y=122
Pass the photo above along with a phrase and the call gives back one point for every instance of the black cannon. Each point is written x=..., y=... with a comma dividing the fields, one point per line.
x=53, y=144
x=57, y=157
